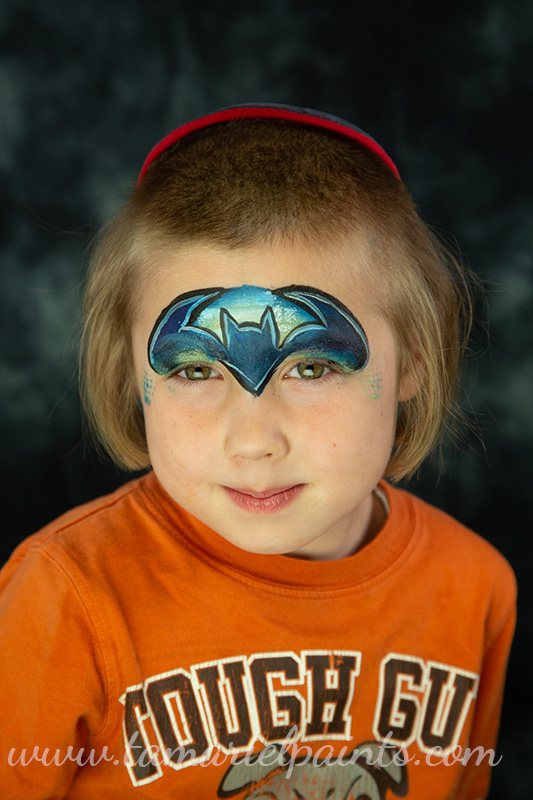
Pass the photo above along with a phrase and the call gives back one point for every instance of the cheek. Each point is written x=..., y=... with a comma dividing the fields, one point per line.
x=177, y=433
x=361, y=423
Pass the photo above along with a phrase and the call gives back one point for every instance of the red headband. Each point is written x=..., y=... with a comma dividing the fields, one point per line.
x=304, y=116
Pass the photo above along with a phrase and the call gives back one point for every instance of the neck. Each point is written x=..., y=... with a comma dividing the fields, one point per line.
x=370, y=519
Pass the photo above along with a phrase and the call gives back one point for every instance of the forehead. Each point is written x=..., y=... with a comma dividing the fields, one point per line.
x=340, y=269
x=344, y=271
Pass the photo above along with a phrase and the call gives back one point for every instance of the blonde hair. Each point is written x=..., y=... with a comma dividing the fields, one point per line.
x=248, y=181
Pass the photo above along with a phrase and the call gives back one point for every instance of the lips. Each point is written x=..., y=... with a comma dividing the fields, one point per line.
x=267, y=502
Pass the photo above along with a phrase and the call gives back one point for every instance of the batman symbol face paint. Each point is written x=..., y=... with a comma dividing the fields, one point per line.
x=252, y=331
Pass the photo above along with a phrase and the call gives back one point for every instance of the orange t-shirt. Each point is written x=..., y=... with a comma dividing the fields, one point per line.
x=143, y=656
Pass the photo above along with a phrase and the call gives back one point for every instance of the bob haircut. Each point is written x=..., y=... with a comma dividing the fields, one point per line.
x=248, y=181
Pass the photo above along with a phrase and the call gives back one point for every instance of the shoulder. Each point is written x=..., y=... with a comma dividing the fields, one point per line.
x=78, y=533
x=458, y=555
x=446, y=532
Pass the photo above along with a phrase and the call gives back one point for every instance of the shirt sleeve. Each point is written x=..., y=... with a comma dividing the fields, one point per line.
x=52, y=682
x=481, y=756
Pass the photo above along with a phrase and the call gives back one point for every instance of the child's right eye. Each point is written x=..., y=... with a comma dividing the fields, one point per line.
x=197, y=372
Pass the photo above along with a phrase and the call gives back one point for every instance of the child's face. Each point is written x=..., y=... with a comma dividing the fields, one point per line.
x=274, y=446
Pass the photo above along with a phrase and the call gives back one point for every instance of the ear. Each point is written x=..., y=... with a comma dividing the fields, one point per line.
x=410, y=380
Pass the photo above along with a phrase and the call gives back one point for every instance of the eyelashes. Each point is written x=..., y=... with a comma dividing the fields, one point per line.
x=305, y=370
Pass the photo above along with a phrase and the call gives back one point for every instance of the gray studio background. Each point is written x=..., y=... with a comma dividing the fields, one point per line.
x=447, y=88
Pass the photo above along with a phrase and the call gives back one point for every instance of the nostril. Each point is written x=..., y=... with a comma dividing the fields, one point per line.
x=253, y=438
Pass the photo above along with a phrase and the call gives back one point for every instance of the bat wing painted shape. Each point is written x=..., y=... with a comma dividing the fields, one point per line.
x=252, y=331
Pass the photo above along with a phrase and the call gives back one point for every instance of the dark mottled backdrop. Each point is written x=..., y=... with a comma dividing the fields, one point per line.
x=447, y=88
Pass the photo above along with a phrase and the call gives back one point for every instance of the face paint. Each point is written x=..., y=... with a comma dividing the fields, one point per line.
x=372, y=386
x=252, y=331
x=148, y=388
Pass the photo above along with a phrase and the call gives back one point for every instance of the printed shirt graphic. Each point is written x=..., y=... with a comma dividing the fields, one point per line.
x=218, y=711
x=367, y=772
x=179, y=666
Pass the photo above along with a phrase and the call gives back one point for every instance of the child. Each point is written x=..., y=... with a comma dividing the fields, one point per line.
x=271, y=328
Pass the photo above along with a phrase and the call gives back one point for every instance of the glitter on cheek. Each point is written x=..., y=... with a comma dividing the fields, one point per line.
x=372, y=386
x=148, y=388
x=170, y=387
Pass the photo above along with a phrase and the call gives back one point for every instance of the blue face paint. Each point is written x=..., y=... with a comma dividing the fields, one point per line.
x=252, y=331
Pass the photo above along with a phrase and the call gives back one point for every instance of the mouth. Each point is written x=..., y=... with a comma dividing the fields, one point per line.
x=267, y=502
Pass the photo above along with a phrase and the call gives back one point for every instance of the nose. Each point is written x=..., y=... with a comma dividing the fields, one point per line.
x=255, y=427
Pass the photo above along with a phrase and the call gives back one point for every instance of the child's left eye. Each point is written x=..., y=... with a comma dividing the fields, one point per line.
x=309, y=370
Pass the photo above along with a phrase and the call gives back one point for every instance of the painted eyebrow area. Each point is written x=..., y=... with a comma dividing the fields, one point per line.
x=253, y=330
